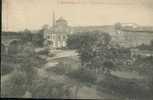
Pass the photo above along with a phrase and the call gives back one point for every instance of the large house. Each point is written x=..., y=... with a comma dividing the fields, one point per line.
x=56, y=36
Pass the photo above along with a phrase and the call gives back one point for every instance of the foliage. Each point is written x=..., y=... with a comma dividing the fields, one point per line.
x=84, y=43
x=43, y=52
x=151, y=43
x=118, y=26
x=14, y=47
x=6, y=68
x=144, y=65
x=47, y=88
x=76, y=41
x=14, y=87
x=83, y=75
x=26, y=35
x=95, y=50
x=3, y=50
x=38, y=38
x=28, y=61
x=58, y=69
x=124, y=87
x=146, y=47
x=61, y=68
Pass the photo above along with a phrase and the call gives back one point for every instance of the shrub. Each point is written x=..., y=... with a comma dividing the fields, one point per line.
x=6, y=68
x=43, y=52
x=123, y=87
x=47, y=88
x=14, y=87
x=83, y=75
x=58, y=70
x=61, y=68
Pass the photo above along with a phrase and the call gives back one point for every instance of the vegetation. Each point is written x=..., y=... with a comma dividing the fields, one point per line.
x=24, y=79
x=143, y=65
x=38, y=38
x=98, y=59
x=146, y=47
x=6, y=68
x=26, y=35
x=82, y=77
x=47, y=88
x=126, y=88
x=14, y=87
x=97, y=53
x=60, y=69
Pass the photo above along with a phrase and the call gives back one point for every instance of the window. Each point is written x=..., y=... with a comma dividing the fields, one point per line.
x=53, y=36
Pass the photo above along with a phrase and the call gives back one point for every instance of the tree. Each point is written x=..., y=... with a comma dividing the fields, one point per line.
x=151, y=43
x=14, y=85
x=47, y=88
x=95, y=51
x=28, y=61
x=118, y=26
x=26, y=35
x=143, y=65
x=14, y=47
x=80, y=77
x=87, y=42
x=38, y=38
x=97, y=56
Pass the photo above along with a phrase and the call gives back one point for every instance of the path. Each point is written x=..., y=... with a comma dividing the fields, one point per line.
x=63, y=53
x=84, y=92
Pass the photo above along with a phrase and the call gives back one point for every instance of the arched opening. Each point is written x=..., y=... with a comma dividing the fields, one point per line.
x=5, y=66
x=3, y=53
x=3, y=49
x=14, y=47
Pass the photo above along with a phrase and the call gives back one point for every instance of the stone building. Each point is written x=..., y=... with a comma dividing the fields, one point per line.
x=133, y=36
x=56, y=35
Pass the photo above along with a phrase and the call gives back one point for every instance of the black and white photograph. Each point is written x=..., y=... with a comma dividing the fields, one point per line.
x=77, y=49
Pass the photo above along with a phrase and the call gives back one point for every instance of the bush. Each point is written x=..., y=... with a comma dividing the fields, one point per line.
x=123, y=87
x=14, y=87
x=6, y=68
x=83, y=75
x=47, y=88
x=43, y=52
x=58, y=70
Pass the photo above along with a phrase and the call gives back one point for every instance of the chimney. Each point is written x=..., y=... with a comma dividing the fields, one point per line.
x=53, y=19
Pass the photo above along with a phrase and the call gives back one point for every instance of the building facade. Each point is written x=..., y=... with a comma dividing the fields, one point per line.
x=133, y=36
x=56, y=36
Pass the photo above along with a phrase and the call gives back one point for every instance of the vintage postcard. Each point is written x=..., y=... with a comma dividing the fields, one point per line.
x=77, y=49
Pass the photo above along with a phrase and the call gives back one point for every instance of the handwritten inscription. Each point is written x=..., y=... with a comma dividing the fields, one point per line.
x=91, y=2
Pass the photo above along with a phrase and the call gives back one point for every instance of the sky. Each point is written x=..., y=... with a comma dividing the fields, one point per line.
x=18, y=15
